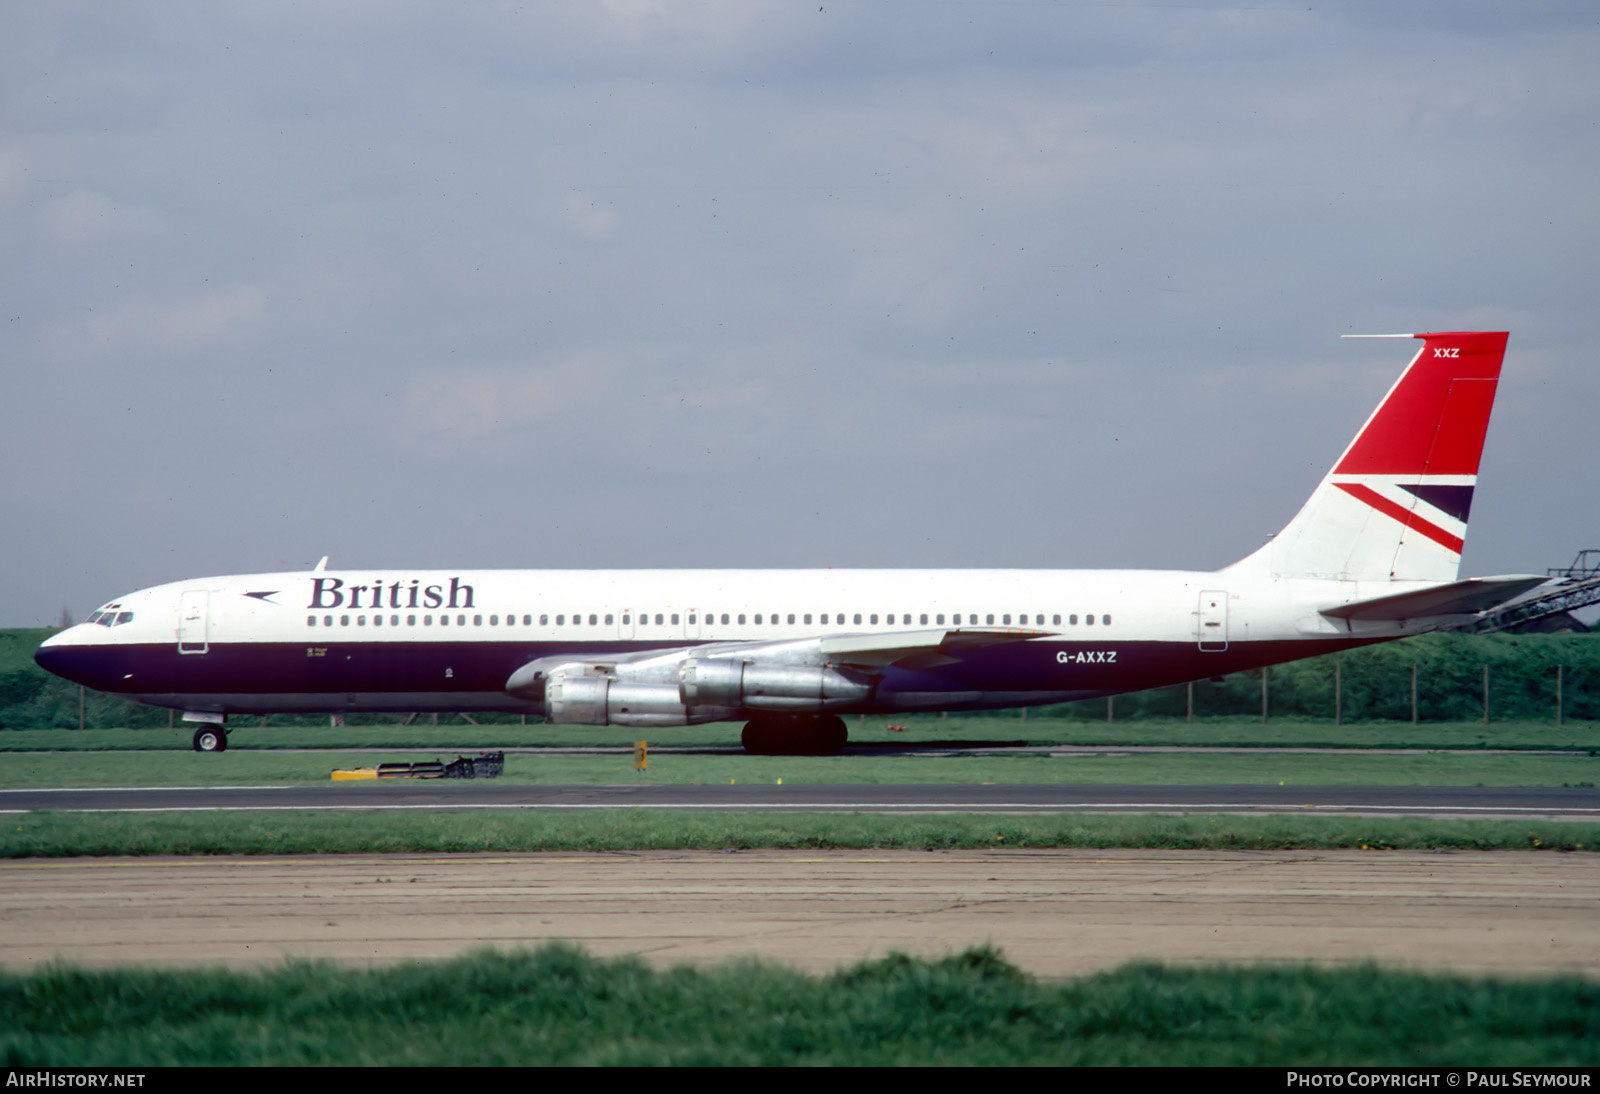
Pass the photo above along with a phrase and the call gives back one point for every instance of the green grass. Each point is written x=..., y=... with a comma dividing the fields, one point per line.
x=61, y=834
x=557, y=1005
x=249, y=768
x=173, y=765
x=920, y=729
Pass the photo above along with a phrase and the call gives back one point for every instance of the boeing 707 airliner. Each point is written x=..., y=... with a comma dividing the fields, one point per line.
x=1372, y=556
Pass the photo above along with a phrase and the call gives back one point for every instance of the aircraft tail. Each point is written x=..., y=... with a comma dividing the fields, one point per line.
x=1395, y=505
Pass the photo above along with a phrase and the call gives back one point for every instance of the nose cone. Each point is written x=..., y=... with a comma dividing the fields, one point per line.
x=61, y=655
x=49, y=656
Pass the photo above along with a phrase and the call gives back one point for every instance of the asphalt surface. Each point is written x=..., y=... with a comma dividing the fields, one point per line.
x=1571, y=803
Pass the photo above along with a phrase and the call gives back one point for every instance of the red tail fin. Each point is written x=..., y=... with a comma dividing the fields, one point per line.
x=1434, y=418
x=1395, y=505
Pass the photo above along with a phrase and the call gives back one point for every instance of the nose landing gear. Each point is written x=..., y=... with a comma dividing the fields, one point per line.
x=211, y=738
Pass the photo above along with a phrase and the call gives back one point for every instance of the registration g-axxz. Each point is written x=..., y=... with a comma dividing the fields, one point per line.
x=1373, y=555
x=1086, y=657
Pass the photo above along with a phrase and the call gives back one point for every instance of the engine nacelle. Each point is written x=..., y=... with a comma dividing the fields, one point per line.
x=726, y=682
x=574, y=695
x=678, y=690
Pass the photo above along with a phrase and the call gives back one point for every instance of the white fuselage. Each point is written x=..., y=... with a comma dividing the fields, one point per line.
x=398, y=639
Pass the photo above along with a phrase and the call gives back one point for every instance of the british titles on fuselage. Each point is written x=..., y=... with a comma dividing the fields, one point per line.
x=332, y=592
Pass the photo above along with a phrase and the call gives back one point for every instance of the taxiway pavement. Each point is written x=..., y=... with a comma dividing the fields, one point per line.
x=1567, y=803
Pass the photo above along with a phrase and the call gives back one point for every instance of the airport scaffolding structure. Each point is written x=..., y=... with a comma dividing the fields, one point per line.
x=1569, y=588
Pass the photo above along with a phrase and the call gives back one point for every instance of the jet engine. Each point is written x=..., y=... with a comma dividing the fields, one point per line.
x=684, y=689
x=734, y=682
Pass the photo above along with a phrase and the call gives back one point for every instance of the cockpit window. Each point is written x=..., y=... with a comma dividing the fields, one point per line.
x=123, y=617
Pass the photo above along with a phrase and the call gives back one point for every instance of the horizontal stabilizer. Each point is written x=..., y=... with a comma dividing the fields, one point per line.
x=924, y=648
x=1468, y=597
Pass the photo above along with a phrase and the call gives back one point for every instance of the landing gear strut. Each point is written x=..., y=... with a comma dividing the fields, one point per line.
x=794, y=735
x=210, y=738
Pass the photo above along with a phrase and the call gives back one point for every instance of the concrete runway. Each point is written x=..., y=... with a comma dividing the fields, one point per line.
x=1054, y=913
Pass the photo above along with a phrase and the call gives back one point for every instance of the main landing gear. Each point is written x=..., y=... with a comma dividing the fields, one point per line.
x=211, y=738
x=794, y=735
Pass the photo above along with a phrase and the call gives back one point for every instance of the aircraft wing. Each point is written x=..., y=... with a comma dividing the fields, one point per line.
x=920, y=649
x=1469, y=597
x=904, y=649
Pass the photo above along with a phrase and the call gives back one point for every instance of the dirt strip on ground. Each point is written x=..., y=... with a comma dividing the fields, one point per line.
x=1053, y=913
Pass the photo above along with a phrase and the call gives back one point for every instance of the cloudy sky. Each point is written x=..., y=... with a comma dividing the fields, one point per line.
x=768, y=284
